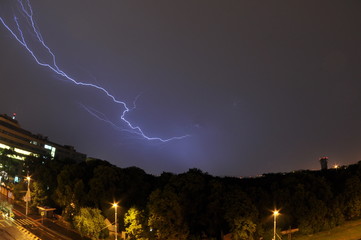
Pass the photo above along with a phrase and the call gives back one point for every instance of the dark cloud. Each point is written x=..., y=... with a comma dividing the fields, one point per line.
x=260, y=87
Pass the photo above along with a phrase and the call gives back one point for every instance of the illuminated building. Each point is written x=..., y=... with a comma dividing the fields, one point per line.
x=22, y=143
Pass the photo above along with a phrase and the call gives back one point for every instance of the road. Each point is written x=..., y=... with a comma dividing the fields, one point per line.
x=33, y=227
x=36, y=227
x=10, y=231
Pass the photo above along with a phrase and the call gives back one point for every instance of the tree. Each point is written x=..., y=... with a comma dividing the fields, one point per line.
x=44, y=171
x=166, y=216
x=10, y=166
x=135, y=224
x=190, y=184
x=90, y=222
x=19, y=190
x=310, y=211
x=69, y=190
x=352, y=197
x=243, y=229
x=214, y=210
x=240, y=214
x=104, y=186
x=38, y=195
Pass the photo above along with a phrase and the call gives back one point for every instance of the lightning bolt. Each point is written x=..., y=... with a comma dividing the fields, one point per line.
x=17, y=33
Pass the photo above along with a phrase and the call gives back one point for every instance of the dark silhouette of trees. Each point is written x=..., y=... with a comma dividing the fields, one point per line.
x=194, y=204
x=166, y=215
x=351, y=197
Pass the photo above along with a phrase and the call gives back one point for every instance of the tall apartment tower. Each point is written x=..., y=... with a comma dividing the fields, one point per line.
x=323, y=162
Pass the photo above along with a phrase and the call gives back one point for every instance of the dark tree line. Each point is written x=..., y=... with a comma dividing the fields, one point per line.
x=196, y=205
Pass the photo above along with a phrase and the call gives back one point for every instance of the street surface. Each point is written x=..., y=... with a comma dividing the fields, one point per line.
x=11, y=231
x=33, y=227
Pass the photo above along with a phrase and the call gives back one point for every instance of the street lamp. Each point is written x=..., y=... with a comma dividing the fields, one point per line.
x=27, y=196
x=115, y=205
x=275, y=214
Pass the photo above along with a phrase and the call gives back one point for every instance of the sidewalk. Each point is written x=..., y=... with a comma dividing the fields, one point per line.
x=52, y=225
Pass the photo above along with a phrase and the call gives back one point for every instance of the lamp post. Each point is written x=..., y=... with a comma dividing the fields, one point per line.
x=115, y=205
x=27, y=196
x=275, y=213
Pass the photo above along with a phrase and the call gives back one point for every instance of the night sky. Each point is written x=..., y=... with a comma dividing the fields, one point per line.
x=260, y=86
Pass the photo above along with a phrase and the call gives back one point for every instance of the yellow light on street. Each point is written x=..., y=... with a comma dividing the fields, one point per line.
x=275, y=214
x=28, y=198
x=115, y=205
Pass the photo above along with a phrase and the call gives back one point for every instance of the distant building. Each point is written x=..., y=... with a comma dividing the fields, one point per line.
x=23, y=143
x=323, y=162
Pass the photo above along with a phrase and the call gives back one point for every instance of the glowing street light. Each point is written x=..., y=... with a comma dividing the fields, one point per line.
x=27, y=197
x=115, y=205
x=275, y=214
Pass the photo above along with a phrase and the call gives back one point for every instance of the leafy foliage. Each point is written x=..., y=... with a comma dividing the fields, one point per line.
x=243, y=229
x=352, y=200
x=90, y=222
x=38, y=195
x=135, y=225
x=166, y=216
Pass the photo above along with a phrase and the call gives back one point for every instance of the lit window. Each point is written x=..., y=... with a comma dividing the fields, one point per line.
x=16, y=157
x=48, y=147
x=22, y=151
x=4, y=146
x=53, y=152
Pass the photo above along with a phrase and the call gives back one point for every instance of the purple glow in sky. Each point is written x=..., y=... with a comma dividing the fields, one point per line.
x=18, y=33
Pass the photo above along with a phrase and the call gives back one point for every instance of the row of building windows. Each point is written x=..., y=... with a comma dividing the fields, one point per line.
x=13, y=136
x=23, y=146
x=52, y=149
